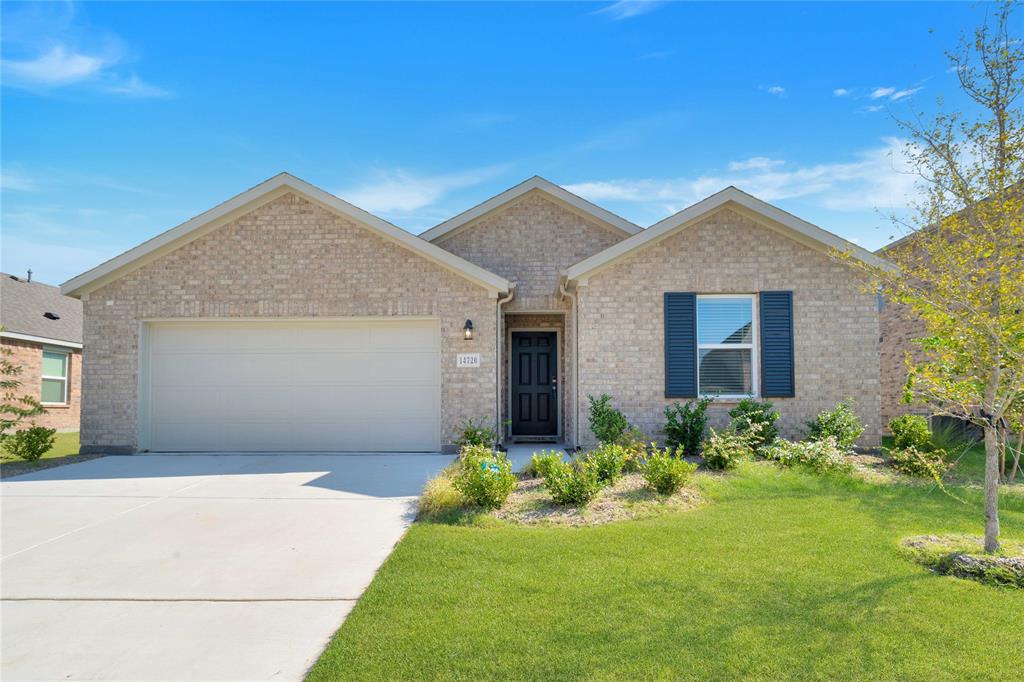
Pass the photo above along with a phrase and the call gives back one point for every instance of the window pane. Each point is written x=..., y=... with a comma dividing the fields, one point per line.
x=53, y=391
x=725, y=372
x=724, y=320
x=54, y=364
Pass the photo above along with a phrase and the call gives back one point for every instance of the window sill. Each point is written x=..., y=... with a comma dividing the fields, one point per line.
x=55, y=405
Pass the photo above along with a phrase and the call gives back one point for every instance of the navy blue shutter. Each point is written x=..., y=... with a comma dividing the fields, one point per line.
x=680, y=344
x=777, y=374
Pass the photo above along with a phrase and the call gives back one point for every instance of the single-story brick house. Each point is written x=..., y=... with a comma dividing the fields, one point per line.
x=42, y=329
x=286, y=319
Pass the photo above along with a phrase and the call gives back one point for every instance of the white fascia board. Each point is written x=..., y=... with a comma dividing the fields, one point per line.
x=39, y=339
x=535, y=183
x=276, y=186
x=690, y=215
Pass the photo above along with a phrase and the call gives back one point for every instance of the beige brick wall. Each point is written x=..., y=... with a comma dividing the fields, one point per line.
x=530, y=241
x=30, y=357
x=835, y=323
x=899, y=326
x=287, y=258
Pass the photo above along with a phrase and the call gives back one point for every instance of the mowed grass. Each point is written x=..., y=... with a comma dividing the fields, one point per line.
x=65, y=444
x=783, y=575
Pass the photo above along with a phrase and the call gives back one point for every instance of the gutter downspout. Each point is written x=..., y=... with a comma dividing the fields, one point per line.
x=575, y=360
x=499, y=330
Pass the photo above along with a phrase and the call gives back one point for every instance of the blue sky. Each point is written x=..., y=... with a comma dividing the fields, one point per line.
x=122, y=120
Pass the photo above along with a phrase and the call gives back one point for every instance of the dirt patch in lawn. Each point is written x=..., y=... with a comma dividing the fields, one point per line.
x=629, y=498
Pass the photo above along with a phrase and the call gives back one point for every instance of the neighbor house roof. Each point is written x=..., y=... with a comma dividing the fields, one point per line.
x=33, y=311
x=772, y=216
x=539, y=184
x=262, y=193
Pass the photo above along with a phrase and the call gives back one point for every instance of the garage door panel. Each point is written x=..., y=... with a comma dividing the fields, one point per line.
x=324, y=386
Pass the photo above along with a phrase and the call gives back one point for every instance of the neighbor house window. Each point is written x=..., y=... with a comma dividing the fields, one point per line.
x=55, y=378
x=726, y=338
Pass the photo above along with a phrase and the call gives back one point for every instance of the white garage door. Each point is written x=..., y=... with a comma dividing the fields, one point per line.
x=320, y=386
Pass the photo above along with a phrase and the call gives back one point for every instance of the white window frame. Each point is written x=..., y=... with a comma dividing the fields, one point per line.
x=67, y=372
x=753, y=346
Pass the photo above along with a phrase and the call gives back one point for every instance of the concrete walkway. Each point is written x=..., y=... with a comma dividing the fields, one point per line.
x=190, y=567
x=521, y=454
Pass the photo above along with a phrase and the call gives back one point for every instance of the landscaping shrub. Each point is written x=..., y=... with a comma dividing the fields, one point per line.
x=840, y=423
x=725, y=449
x=915, y=461
x=476, y=434
x=572, y=483
x=666, y=471
x=542, y=462
x=756, y=419
x=29, y=444
x=820, y=455
x=607, y=423
x=440, y=495
x=910, y=431
x=609, y=460
x=485, y=477
x=685, y=425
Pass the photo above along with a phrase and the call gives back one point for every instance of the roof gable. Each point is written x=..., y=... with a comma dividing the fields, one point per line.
x=260, y=194
x=536, y=183
x=773, y=217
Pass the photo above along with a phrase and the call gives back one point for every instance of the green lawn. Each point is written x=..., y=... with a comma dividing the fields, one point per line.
x=783, y=575
x=65, y=444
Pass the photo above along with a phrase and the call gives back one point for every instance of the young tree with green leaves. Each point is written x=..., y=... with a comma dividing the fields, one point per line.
x=960, y=271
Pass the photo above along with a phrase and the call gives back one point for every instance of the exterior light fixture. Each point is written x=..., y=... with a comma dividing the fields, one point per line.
x=467, y=330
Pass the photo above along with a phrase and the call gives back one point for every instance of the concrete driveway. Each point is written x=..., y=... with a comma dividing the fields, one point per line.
x=193, y=566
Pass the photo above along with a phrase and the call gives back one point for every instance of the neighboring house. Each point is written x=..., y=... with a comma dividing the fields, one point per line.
x=43, y=330
x=286, y=319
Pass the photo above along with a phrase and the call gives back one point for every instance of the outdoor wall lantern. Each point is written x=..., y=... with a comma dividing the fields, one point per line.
x=467, y=330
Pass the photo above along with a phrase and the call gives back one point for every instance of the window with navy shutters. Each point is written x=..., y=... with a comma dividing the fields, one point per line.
x=680, y=344
x=778, y=378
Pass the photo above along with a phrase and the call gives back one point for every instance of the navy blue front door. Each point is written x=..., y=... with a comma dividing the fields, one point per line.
x=534, y=384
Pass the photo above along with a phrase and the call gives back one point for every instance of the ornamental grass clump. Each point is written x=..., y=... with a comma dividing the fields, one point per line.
x=665, y=470
x=485, y=477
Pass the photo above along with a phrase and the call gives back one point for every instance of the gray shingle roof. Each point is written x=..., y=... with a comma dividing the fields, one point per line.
x=23, y=305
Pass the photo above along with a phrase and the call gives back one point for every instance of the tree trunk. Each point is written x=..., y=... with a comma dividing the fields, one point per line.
x=991, y=489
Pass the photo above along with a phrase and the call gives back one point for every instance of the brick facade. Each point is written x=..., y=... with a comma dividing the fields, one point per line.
x=29, y=356
x=836, y=330
x=287, y=258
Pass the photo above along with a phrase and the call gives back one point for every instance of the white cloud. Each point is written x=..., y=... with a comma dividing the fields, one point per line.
x=777, y=90
x=59, y=66
x=754, y=163
x=872, y=179
x=399, y=191
x=627, y=9
x=135, y=87
x=873, y=107
x=894, y=94
x=13, y=181
x=900, y=94
x=842, y=92
x=878, y=93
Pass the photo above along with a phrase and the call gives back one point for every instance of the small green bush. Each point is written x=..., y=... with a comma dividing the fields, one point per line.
x=725, y=449
x=476, y=434
x=573, y=483
x=757, y=419
x=542, y=462
x=609, y=460
x=666, y=471
x=685, y=424
x=29, y=444
x=607, y=423
x=930, y=462
x=910, y=431
x=820, y=455
x=840, y=423
x=485, y=477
